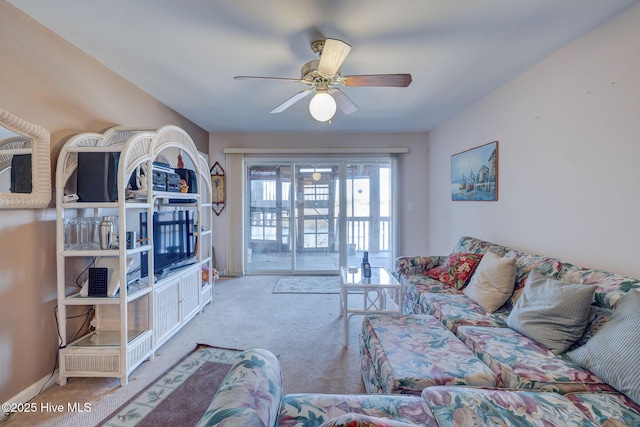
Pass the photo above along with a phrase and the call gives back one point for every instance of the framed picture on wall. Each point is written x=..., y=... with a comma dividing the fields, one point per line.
x=217, y=188
x=474, y=174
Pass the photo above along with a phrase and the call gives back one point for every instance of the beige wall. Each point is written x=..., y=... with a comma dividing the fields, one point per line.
x=46, y=81
x=412, y=176
x=569, y=144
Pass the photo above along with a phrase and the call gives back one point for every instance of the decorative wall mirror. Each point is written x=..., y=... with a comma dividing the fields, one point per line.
x=25, y=166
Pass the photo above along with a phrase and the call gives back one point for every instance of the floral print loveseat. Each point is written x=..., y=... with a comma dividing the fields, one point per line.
x=251, y=395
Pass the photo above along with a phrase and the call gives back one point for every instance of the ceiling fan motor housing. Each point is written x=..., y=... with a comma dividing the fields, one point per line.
x=310, y=74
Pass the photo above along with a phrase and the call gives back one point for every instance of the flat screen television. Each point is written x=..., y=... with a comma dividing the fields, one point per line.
x=173, y=241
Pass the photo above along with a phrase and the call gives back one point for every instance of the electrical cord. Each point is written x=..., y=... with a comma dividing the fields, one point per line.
x=86, y=320
x=8, y=416
x=93, y=261
x=55, y=363
x=55, y=314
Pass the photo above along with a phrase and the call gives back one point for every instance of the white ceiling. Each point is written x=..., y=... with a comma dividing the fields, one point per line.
x=185, y=53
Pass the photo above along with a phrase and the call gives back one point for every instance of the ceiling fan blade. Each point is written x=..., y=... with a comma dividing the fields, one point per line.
x=333, y=54
x=289, y=102
x=286, y=79
x=345, y=103
x=380, y=80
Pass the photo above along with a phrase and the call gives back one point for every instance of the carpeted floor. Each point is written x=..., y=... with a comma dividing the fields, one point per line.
x=304, y=330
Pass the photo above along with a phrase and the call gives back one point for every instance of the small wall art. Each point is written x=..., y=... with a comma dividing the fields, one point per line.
x=217, y=188
x=474, y=174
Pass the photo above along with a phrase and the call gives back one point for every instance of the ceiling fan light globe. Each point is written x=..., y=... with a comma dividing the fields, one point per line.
x=322, y=106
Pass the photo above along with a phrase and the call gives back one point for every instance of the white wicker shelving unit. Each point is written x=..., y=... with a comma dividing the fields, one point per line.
x=129, y=326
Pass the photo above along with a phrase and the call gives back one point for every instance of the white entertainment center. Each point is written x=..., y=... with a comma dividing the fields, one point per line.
x=131, y=313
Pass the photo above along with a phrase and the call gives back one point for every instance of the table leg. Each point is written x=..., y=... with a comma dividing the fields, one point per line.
x=345, y=314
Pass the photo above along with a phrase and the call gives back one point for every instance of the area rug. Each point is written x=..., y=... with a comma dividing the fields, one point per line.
x=181, y=395
x=308, y=285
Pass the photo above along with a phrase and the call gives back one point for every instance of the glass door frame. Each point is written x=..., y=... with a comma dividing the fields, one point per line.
x=295, y=161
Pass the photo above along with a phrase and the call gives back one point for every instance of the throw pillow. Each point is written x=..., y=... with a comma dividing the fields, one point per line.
x=493, y=281
x=456, y=270
x=361, y=420
x=552, y=312
x=612, y=353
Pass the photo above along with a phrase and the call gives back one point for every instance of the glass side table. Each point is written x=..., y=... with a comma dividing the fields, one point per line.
x=381, y=293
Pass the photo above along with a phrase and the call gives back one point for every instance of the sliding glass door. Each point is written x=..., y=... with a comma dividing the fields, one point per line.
x=311, y=217
x=269, y=217
x=317, y=246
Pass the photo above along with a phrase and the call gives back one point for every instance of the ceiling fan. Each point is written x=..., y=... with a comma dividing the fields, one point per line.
x=324, y=76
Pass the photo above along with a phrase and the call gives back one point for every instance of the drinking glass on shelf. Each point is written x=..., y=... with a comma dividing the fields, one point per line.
x=85, y=231
x=93, y=241
x=88, y=233
x=115, y=239
x=72, y=234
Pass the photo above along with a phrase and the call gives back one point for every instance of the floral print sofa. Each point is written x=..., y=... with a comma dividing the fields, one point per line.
x=422, y=294
x=251, y=395
x=394, y=345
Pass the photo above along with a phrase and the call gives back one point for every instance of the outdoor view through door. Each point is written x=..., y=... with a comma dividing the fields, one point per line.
x=313, y=217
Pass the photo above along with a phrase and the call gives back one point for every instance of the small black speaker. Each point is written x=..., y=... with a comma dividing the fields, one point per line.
x=97, y=175
x=98, y=281
x=21, y=174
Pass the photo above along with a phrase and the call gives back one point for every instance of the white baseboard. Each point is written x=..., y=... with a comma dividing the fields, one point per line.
x=32, y=391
